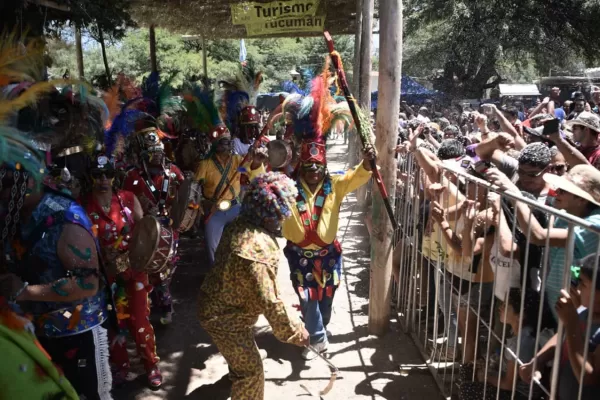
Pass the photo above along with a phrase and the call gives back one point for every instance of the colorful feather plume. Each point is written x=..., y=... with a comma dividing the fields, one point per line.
x=17, y=149
x=317, y=113
x=238, y=92
x=201, y=108
x=18, y=61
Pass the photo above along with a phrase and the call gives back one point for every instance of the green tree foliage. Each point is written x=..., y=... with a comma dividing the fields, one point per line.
x=180, y=59
x=478, y=43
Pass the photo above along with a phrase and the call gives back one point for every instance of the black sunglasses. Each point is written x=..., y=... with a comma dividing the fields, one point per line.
x=98, y=173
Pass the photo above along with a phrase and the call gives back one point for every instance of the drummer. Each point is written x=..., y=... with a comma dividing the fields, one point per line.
x=220, y=183
x=113, y=214
x=155, y=182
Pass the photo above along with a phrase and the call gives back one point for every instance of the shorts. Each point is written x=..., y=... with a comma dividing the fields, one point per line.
x=472, y=299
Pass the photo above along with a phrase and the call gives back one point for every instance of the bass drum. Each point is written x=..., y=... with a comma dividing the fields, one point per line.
x=152, y=246
x=187, y=206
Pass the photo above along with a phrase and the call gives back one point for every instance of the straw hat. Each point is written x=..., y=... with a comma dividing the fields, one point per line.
x=588, y=120
x=582, y=181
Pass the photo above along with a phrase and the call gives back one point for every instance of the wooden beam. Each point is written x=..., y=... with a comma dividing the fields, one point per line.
x=153, y=64
x=79, y=52
x=50, y=4
x=390, y=73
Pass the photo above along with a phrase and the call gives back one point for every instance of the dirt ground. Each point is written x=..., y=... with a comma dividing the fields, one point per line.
x=370, y=367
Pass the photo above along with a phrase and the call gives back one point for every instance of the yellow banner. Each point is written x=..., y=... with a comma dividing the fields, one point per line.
x=287, y=25
x=254, y=13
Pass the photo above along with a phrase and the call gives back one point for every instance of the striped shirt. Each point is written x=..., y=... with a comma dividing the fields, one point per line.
x=586, y=243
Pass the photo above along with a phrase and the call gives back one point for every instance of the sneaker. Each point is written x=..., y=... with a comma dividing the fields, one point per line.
x=167, y=317
x=155, y=378
x=308, y=354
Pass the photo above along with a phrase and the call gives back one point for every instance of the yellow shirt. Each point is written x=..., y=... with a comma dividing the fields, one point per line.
x=341, y=185
x=209, y=176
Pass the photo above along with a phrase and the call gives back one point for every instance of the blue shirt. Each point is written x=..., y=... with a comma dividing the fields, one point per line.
x=586, y=243
x=41, y=265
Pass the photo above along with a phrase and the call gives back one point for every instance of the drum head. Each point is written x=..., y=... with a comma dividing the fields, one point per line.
x=280, y=153
x=181, y=203
x=144, y=242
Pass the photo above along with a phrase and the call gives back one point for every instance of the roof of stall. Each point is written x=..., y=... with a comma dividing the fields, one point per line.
x=213, y=18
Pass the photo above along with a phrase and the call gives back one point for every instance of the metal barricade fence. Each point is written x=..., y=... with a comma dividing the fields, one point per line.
x=477, y=305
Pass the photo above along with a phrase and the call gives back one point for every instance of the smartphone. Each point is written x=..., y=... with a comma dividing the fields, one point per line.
x=481, y=167
x=487, y=109
x=551, y=126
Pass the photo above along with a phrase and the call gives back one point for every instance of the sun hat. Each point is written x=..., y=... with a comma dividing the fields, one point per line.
x=582, y=181
x=588, y=120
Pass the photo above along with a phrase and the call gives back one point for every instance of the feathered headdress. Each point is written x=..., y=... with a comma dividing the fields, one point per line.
x=314, y=115
x=239, y=96
x=202, y=112
x=20, y=62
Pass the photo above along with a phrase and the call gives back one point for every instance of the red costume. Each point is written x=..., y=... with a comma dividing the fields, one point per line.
x=130, y=287
x=156, y=195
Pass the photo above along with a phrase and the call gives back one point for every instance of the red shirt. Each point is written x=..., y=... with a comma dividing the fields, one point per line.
x=136, y=183
x=592, y=154
x=110, y=226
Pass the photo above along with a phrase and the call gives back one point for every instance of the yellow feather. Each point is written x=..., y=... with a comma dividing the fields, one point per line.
x=19, y=62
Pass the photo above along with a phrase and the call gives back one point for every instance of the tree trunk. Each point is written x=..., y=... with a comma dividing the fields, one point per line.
x=368, y=7
x=153, y=64
x=390, y=73
x=79, y=52
x=104, y=58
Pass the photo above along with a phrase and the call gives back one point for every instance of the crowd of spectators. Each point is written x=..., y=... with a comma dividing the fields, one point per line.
x=491, y=255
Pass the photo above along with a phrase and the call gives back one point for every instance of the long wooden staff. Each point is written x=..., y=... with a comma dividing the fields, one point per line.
x=365, y=139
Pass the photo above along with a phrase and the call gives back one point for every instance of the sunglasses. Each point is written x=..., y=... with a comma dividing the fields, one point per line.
x=97, y=174
x=312, y=167
x=559, y=168
x=531, y=174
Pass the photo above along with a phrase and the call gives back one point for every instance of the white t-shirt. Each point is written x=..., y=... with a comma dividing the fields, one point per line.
x=240, y=148
x=507, y=272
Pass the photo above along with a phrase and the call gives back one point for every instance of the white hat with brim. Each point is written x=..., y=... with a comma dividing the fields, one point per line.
x=586, y=119
x=566, y=184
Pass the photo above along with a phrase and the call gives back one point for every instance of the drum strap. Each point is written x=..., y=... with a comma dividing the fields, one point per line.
x=157, y=192
x=224, y=178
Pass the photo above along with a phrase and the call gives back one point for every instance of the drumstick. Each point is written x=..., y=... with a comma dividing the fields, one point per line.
x=124, y=232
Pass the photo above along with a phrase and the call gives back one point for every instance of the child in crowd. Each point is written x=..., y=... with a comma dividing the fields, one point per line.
x=521, y=345
x=575, y=320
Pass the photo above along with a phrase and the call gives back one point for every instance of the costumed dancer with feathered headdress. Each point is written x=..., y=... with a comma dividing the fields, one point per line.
x=218, y=174
x=155, y=180
x=243, y=284
x=114, y=214
x=238, y=102
x=313, y=251
x=50, y=251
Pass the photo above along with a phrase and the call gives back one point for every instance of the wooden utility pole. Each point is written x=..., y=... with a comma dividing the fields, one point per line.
x=153, y=65
x=390, y=73
x=368, y=6
x=79, y=52
x=353, y=140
